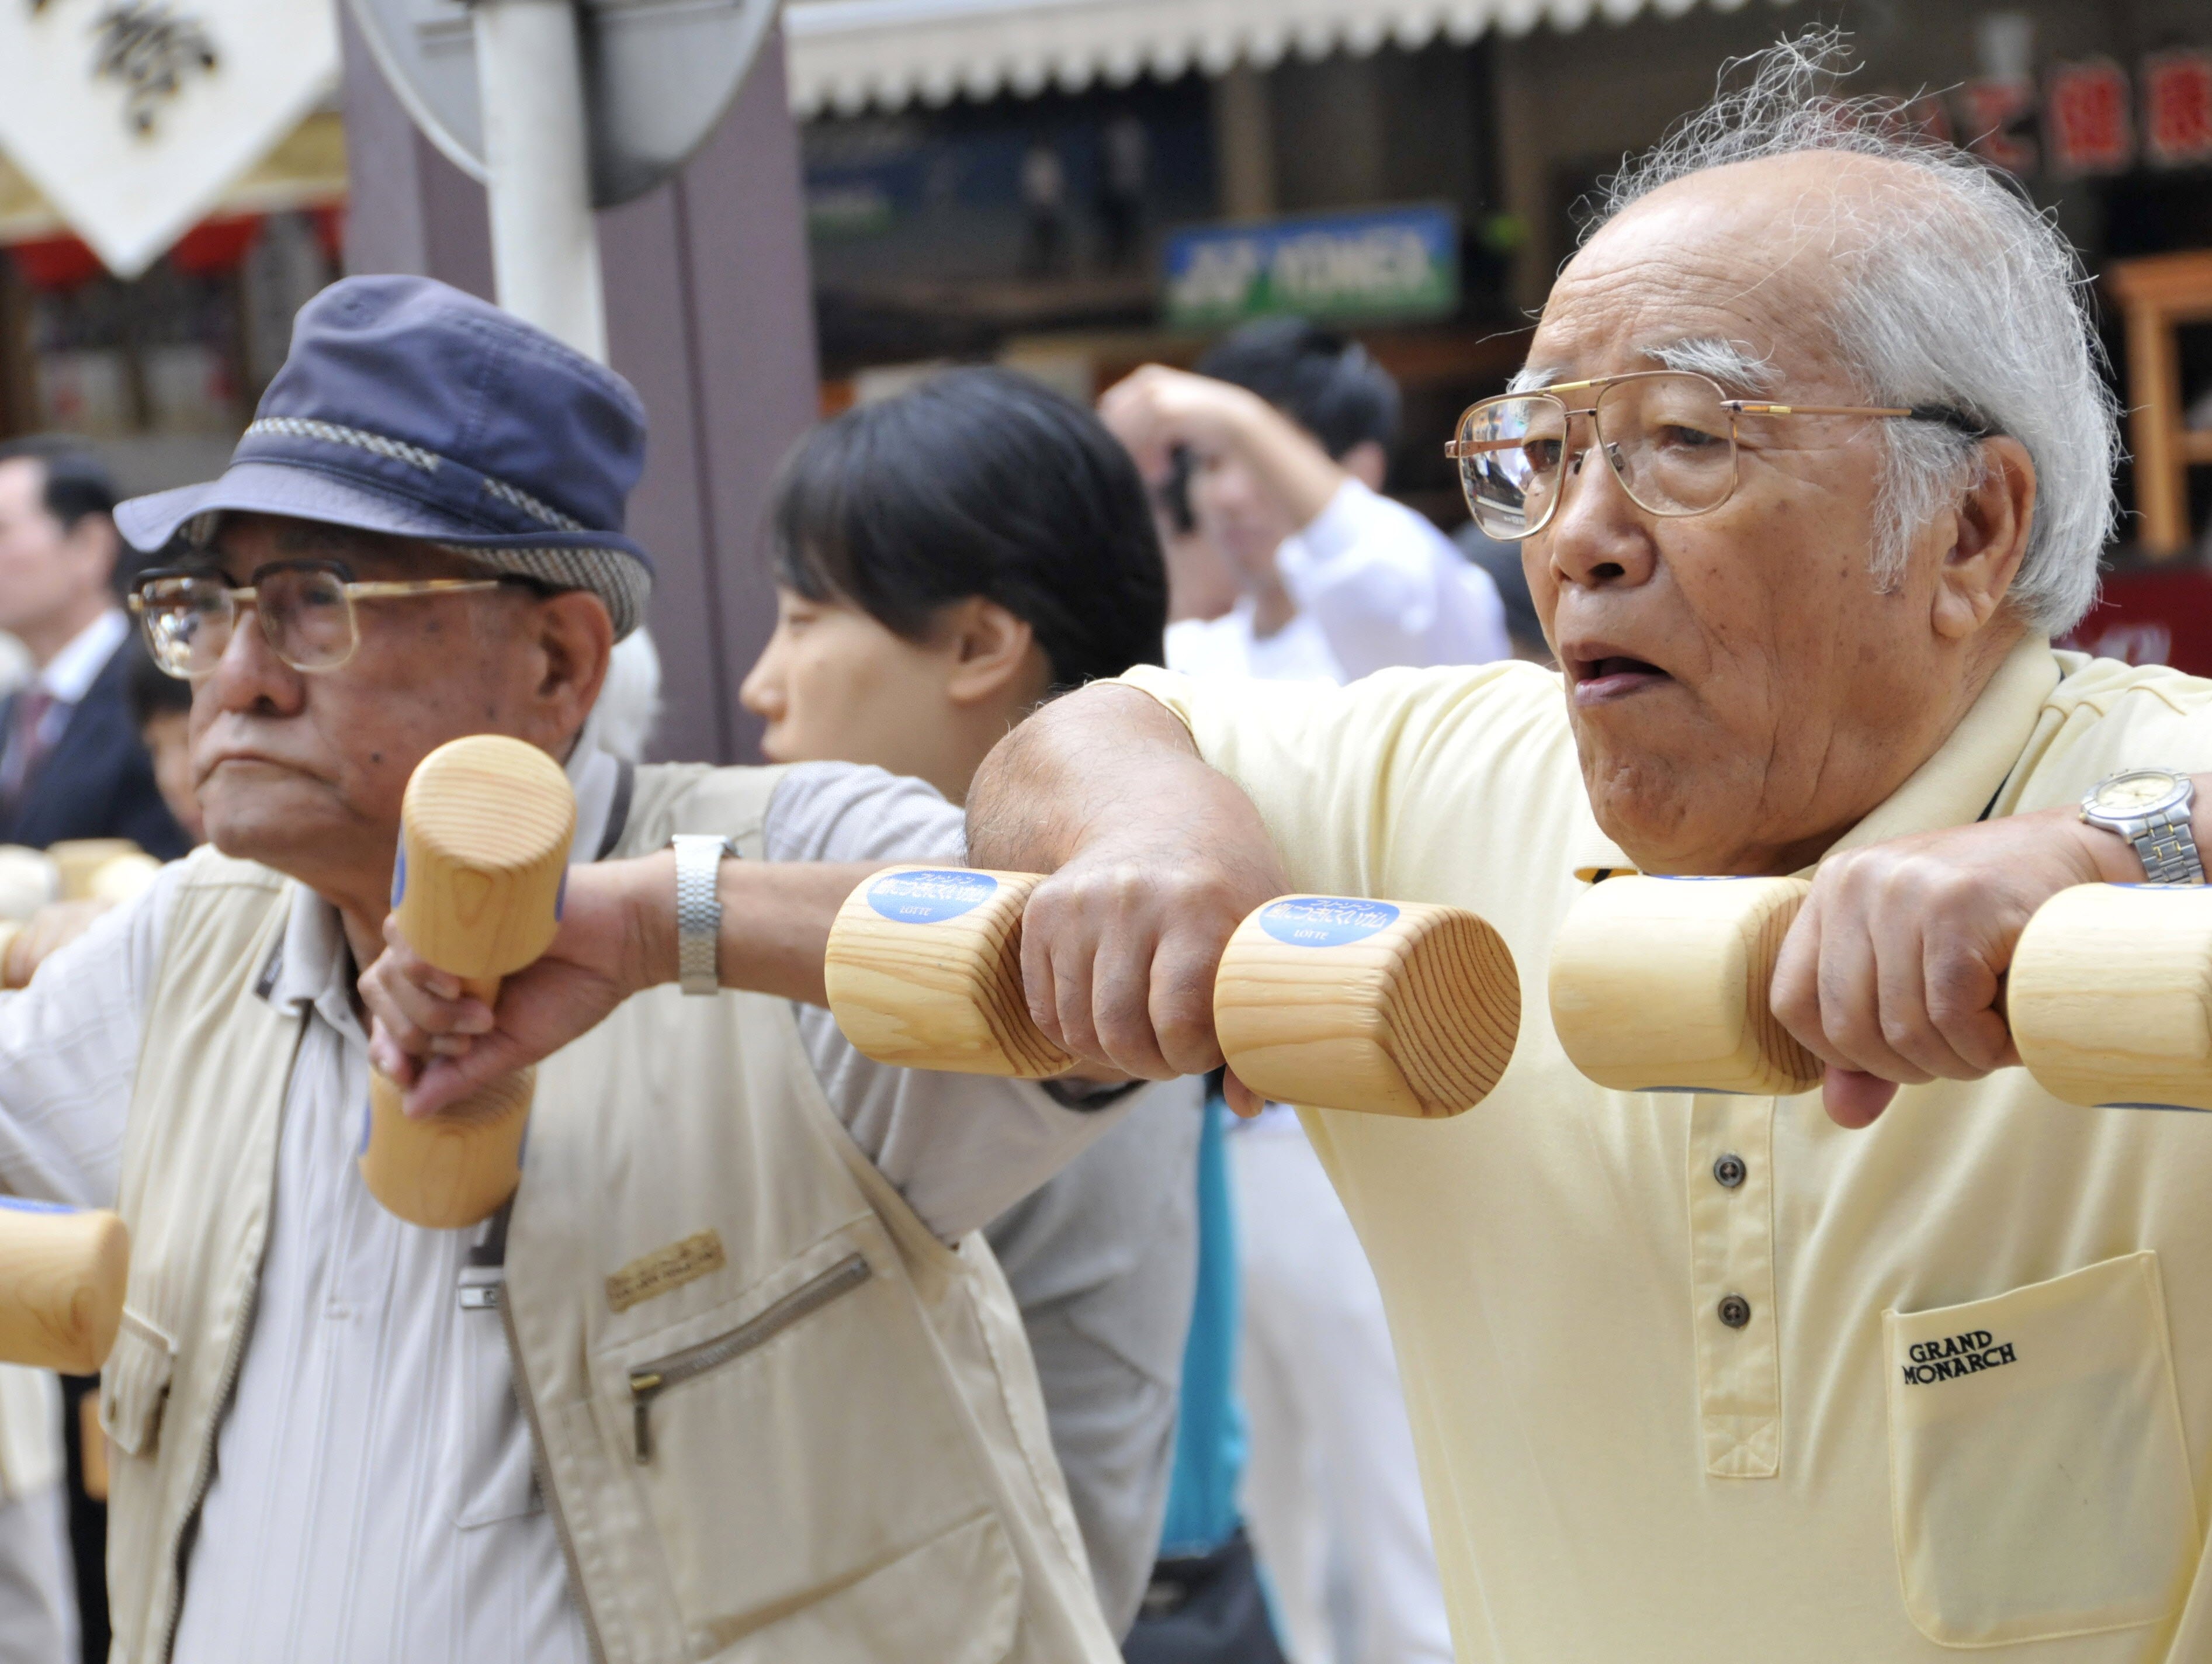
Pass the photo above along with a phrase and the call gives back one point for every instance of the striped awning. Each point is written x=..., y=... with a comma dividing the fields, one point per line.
x=850, y=55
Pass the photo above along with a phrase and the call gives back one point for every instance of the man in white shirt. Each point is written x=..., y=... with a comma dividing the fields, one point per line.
x=1281, y=440
x=1284, y=434
x=72, y=764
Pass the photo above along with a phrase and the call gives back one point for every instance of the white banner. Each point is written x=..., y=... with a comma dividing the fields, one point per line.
x=131, y=117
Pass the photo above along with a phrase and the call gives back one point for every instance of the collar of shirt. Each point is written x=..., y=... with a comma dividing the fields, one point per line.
x=1954, y=787
x=69, y=674
x=313, y=965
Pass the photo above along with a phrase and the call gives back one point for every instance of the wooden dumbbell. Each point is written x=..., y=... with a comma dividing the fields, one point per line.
x=1661, y=985
x=485, y=828
x=1393, y=1008
x=82, y=861
x=63, y=1270
x=2109, y=996
x=28, y=881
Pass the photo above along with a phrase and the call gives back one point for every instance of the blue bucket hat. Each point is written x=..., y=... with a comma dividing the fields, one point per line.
x=409, y=408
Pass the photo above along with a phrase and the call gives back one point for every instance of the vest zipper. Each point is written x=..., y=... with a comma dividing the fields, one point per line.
x=225, y=1385
x=542, y=1467
x=647, y=1381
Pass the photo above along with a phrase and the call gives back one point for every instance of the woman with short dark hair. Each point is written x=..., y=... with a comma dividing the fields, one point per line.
x=945, y=561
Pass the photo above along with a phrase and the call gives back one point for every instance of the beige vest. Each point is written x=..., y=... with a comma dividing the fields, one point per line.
x=776, y=1420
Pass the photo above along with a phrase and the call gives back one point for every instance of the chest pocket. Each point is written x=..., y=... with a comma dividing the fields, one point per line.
x=2039, y=1485
x=489, y=1460
x=808, y=1472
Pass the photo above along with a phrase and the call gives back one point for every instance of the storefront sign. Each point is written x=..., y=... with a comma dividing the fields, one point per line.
x=133, y=116
x=2088, y=124
x=1389, y=263
x=2177, y=94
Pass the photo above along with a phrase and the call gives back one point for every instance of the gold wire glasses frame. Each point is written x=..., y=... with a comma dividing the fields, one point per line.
x=1669, y=437
x=306, y=608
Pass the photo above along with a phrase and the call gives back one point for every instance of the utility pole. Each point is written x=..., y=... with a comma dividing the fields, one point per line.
x=544, y=246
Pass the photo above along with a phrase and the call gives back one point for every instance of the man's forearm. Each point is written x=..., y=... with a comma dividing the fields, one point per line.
x=775, y=921
x=1082, y=762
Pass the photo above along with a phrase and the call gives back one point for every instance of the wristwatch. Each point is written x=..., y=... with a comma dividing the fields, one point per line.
x=699, y=909
x=2149, y=807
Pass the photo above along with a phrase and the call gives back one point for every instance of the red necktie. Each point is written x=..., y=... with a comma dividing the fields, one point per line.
x=26, y=745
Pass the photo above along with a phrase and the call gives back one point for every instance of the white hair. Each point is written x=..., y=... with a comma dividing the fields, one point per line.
x=1962, y=297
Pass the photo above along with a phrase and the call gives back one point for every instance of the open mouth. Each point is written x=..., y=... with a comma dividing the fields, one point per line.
x=1607, y=675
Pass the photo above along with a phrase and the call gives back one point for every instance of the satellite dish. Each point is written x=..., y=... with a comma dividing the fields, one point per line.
x=658, y=76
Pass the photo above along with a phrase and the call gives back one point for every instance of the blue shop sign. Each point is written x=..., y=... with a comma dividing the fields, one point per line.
x=1369, y=265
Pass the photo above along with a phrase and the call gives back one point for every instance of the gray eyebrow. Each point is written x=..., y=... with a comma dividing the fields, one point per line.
x=1529, y=377
x=1728, y=362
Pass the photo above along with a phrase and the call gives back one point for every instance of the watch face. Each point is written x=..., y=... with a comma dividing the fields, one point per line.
x=2141, y=792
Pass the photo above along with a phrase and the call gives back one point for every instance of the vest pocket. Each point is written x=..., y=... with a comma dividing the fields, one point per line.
x=2039, y=1484
x=134, y=1385
x=797, y=1443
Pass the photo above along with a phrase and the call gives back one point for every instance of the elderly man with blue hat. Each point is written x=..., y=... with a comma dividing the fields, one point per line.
x=339, y=1436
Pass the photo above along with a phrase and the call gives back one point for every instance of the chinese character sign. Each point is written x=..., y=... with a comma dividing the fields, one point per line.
x=133, y=116
x=2176, y=102
x=2087, y=123
x=1998, y=124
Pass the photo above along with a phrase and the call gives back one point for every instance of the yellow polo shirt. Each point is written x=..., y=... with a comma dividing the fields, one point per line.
x=1613, y=1473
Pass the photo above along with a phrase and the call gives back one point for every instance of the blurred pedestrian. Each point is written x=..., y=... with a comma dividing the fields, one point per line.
x=1044, y=210
x=944, y=560
x=1289, y=428
x=161, y=706
x=71, y=761
x=1125, y=165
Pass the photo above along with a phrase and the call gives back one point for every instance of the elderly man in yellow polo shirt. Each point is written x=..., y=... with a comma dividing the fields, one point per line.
x=1662, y=1352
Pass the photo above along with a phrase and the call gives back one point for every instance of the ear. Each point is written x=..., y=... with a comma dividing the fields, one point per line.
x=575, y=635
x=95, y=537
x=994, y=655
x=1367, y=463
x=1982, y=538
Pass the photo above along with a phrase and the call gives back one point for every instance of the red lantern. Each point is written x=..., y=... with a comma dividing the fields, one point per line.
x=2088, y=125
x=215, y=246
x=2177, y=94
x=55, y=263
x=1997, y=122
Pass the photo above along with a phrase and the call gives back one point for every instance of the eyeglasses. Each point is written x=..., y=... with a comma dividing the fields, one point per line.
x=1669, y=435
x=306, y=608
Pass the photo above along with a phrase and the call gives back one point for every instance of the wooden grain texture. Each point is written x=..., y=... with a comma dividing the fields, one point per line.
x=2109, y=996
x=61, y=1276
x=1337, y=1003
x=484, y=850
x=483, y=840
x=78, y=861
x=450, y=1169
x=924, y=970
x=1661, y=985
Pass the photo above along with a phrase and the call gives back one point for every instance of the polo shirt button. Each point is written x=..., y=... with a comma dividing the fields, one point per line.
x=1735, y=1310
x=1729, y=1171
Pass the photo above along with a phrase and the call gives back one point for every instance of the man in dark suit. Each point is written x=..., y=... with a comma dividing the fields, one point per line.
x=72, y=764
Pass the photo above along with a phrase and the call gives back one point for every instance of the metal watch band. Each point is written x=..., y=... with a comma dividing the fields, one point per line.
x=699, y=909
x=2168, y=848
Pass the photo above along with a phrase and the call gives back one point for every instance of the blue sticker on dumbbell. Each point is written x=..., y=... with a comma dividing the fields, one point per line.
x=1325, y=922
x=25, y=1205
x=399, y=872
x=931, y=895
